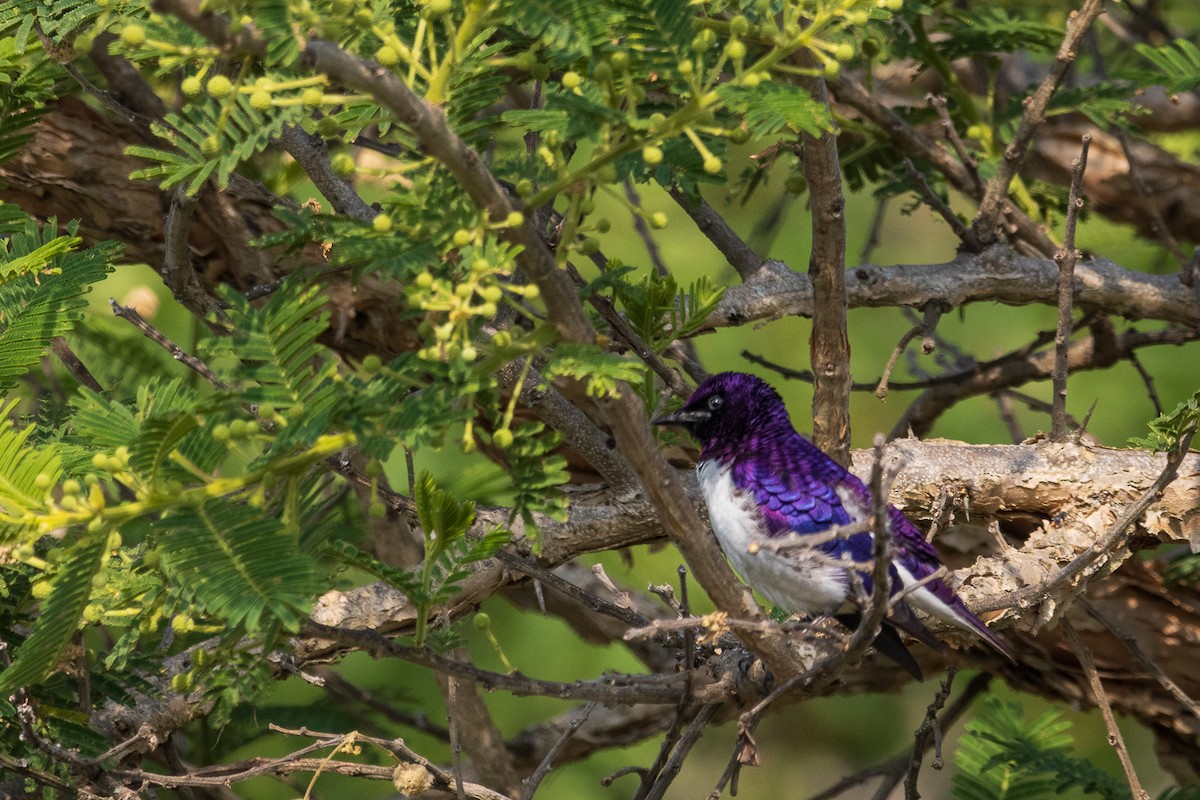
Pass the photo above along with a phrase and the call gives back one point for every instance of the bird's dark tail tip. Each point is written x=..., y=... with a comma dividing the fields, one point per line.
x=889, y=644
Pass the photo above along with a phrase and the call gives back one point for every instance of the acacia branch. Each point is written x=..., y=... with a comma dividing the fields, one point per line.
x=829, y=346
x=998, y=274
x=995, y=193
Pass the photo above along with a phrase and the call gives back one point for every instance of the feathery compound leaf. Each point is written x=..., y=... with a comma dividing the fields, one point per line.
x=1167, y=430
x=157, y=439
x=210, y=138
x=26, y=473
x=1003, y=756
x=278, y=343
x=771, y=107
x=241, y=567
x=1177, y=63
x=61, y=614
x=35, y=308
x=992, y=29
x=599, y=369
x=443, y=518
x=568, y=26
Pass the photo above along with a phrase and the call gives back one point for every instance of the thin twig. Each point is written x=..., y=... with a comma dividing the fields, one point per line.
x=178, y=271
x=1088, y=662
x=681, y=750
x=158, y=337
x=875, y=230
x=964, y=234
x=530, y=784
x=929, y=728
x=456, y=747
x=1008, y=415
x=1130, y=642
x=939, y=104
x=995, y=194
x=1148, y=380
x=549, y=578
x=663, y=690
x=1065, y=258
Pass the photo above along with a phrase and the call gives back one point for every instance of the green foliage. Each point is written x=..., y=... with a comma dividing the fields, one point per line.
x=1167, y=431
x=61, y=614
x=42, y=282
x=600, y=370
x=1003, y=756
x=211, y=138
x=994, y=29
x=1177, y=65
x=237, y=564
x=770, y=108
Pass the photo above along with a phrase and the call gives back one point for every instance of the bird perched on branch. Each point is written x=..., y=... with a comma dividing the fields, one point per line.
x=763, y=480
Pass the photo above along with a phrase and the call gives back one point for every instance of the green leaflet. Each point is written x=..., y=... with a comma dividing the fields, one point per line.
x=1177, y=64
x=210, y=138
x=1003, y=756
x=60, y=616
x=769, y=108
x=42, y=283
x=239, y=565
x=20, y=468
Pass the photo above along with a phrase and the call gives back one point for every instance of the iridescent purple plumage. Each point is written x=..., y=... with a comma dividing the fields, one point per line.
x=762, y=480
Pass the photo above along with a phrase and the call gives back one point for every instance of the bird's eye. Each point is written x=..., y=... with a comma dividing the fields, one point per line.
x=715, y=402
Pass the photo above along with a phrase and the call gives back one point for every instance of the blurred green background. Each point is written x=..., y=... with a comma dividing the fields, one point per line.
x=806, y=747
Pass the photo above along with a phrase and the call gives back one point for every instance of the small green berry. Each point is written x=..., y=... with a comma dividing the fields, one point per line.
x=515, y=219
x=481, y=621
x=469, y=354
x=211, y=146
x=652, y=155
x=312, y=96
x=219, y=86
x=191, y=86
x=42, y=481
x=658, y=220
x=133, y=35
x=712, y=165
x=371, y=364
x=739, y=25
x=603, y=225
x=387, y=56
x=382, y=223
x=424, y=280
x=602, y=72
x=503, y=438
x=736, y=49
x=260, y=100
x=589, y=246
x=462, y=237
x=571, y=80
x=343, y=164
x=524, y=187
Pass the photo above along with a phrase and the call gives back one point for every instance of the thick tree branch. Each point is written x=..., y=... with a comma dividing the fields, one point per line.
x=829, y=346
x=997, y=274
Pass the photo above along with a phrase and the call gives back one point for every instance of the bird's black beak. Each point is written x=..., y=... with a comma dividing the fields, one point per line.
x=683, y=417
